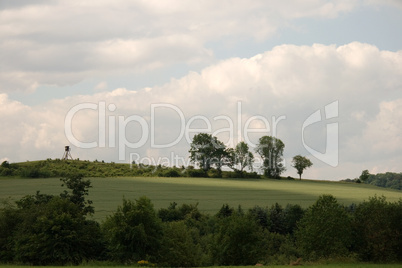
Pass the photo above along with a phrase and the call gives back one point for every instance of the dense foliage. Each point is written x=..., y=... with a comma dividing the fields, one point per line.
x=44, y=229
x=300, y=163
x=386, y=180
x=271, y=151
x=59, y=168
x=325, y=230
x=57, y=230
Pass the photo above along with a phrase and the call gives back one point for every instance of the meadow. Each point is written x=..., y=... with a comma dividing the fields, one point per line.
x=210, y=194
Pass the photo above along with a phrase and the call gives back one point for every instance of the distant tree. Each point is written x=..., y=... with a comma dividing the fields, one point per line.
x=271, y=151
x=364, y=176
x=207, y=151
x=5, y=164
x=240, y=156
x=300, y=163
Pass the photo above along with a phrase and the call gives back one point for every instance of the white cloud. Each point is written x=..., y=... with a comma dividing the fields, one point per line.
x=384, y=132
x=64, y=42
x=290, y=81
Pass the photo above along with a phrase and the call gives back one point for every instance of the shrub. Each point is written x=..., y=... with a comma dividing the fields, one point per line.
x=325, y=230
x=197, y=173
x=54, y=232
x=214, y=173
x=171, y=172
x=293, y=214
x=261, y=216
x=378, y=230
x=9, y=220
x=133, y=232
x=178, y=249
x=238, y=241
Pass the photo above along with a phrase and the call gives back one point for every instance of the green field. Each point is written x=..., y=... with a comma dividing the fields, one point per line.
x=211, y=194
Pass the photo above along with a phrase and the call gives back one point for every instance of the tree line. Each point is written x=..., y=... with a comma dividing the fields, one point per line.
x=387, y=180
x=45, y=229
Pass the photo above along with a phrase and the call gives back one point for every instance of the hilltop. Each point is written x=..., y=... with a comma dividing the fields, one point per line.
x=60, y=168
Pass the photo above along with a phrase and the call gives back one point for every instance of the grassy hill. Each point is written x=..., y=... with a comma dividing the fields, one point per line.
x=211, y=194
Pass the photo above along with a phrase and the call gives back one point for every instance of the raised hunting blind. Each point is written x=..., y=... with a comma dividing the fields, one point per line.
x=67, y=153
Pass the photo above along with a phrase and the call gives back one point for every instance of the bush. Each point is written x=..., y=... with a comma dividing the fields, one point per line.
x=325, y=230
x=133, y=232
x=238, y=241
x=170, y=172
x=292, y=215
x=178, y=248
x=214, y=173
x=378, y=230
x=280, y=249
x=261, y=216
x=9, y=220
x=172, y=213
x=54, y=232
x=277, y=219
x=6, y=171
x=196, y=173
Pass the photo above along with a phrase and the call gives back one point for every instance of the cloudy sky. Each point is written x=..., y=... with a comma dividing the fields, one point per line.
x=135, y=80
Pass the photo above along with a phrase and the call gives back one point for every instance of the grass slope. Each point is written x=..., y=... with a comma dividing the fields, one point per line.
x=211, y=194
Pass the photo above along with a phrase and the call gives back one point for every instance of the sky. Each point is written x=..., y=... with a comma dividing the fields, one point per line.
x=127, y=81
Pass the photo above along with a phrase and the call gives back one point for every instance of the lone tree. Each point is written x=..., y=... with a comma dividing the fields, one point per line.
x=207, y=151
x=271, y=151
x=240, y=156
x=300, y=163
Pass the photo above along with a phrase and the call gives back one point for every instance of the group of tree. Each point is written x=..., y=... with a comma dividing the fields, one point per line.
x=57, y=230
x=207, y=151
x=387, y=180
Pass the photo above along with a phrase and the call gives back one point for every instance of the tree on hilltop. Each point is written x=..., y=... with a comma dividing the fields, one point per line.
x=240, y=156
x=300, y=163
x=207, y=151
x=271, y=151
